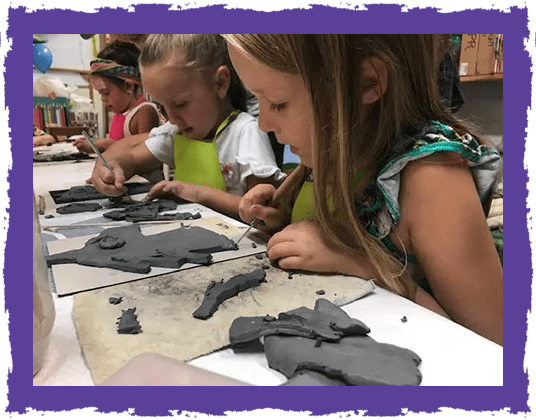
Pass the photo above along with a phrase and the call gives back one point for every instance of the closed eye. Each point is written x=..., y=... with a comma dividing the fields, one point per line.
x=278, y=107
x=180, y=105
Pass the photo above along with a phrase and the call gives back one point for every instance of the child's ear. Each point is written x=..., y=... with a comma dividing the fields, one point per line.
x=223, y=80
x=374, y=79
x=129, y=87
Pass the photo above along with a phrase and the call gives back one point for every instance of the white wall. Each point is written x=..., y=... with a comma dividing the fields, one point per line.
x=69, y=51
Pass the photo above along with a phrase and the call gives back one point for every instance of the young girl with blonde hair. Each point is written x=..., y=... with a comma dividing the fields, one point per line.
x=397, y=187
x=217, y=151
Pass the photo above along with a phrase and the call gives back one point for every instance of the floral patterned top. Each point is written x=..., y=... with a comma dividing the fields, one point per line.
x=378, y=207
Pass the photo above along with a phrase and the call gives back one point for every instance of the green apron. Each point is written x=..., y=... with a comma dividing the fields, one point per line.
x=196, y=161
x=304, y=206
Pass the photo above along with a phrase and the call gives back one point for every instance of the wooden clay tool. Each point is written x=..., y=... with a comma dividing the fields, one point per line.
x=279, y=194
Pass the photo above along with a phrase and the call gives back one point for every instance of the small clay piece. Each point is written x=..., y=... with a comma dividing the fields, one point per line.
x=253, y=245
x=217, y=293
x=128, y=322
x=115, y=300
x=355, y=360
x=258, y=256
x=265, y=266
x=320, y=292
x=170, y=249
x=290, y=277
x=324, y=323
x=404, y=319
x=49, y=216
x=78, y=208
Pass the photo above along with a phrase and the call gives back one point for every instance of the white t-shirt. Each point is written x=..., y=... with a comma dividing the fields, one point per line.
x=243, y=150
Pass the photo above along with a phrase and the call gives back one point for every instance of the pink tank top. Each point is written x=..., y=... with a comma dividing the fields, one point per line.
x=117, y=125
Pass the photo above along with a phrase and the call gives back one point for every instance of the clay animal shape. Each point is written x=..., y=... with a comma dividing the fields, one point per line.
x=217, y=293
x=134, y=252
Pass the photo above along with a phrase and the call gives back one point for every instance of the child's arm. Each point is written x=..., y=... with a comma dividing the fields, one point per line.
x=83, y=145
x=218, y=200
x=452, y=242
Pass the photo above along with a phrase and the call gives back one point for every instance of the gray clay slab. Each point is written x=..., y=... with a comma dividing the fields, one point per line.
x=356, y=360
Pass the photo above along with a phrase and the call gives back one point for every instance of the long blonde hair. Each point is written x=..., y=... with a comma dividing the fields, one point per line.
x=348, y=145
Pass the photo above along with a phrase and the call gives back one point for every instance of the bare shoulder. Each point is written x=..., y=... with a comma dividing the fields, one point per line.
x=144, y=120
x=443, y=214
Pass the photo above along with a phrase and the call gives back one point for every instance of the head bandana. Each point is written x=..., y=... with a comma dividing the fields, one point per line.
x=112, y=69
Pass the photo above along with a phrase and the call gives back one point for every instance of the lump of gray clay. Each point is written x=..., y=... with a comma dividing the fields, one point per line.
x=128, y=322
x=355, y=360
x=137, y=253
x=327, y=322
x=149, y=211
x=78, y=208
x=217, y=293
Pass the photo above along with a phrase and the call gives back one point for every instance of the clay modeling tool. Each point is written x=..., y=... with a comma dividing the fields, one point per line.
x=99, y=155
x=279, y=194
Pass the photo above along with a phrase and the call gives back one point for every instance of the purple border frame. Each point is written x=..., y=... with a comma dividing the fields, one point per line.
x=377, y=401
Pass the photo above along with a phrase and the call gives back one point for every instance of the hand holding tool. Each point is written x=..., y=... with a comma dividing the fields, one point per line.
x=99, y=155
x=279, y=194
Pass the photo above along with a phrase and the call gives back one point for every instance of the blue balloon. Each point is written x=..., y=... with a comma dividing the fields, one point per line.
x=42, y=57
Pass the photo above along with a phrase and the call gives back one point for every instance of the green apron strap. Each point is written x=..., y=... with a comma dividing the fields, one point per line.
x=196, y=161
x=304, y=206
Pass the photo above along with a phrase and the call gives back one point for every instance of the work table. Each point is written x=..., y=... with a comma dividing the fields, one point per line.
x=451, y=354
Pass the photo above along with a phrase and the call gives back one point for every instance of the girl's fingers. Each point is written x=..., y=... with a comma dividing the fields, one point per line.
x=291, y=263
x=155, y=190
x=282, y=250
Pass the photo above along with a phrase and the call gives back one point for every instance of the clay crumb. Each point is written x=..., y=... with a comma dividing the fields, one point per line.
x=318, y=342
x=115, y=300
x=266, y=266
x=258, y=256
x=320, y=292
x=253, y=245
x=49, y=216
x=404, y=319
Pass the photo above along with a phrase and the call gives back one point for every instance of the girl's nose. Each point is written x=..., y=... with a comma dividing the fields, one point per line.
x=177, y=120
x=266, y=122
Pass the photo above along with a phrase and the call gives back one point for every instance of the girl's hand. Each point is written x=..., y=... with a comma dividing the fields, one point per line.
x=108, y=183
x=176, y=190
x=166, y=188
x=83, y=146
x=303, y=246
x=253, y=206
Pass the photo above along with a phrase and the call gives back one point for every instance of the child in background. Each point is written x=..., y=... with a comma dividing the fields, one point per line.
x=217, y=151
x=115, y=75
x=40, y=138
x=399, y=183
